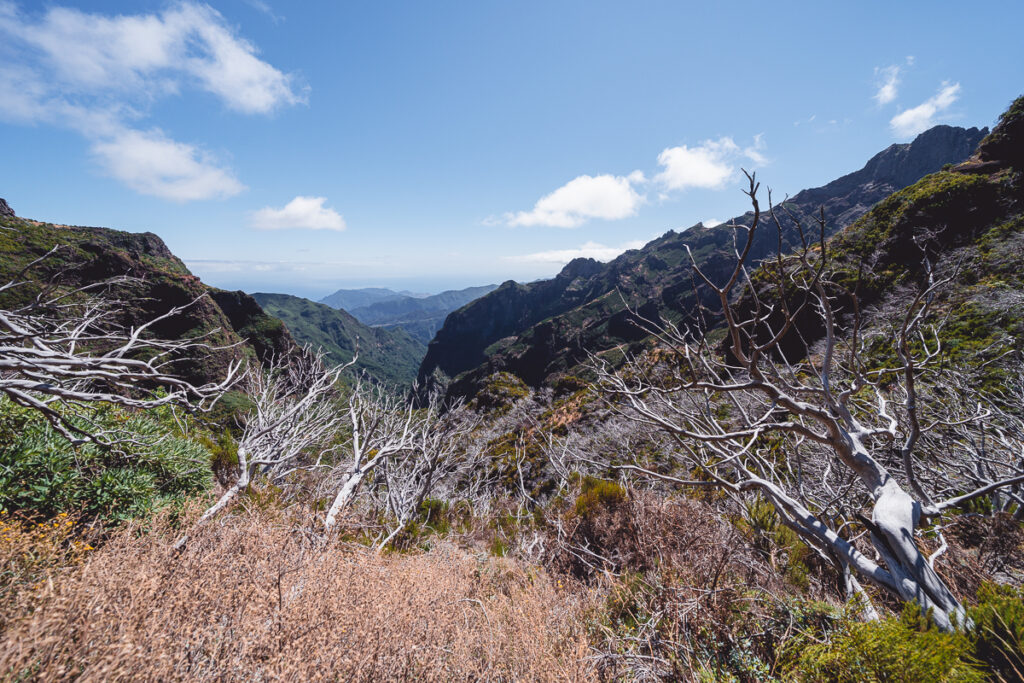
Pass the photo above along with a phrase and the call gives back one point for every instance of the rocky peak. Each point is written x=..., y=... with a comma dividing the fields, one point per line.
x=581, y=267
x=1003, y=145
x=898, y=166
x=5, y=210
x=928, y=152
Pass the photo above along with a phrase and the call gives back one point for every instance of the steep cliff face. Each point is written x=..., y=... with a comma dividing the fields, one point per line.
x=541, y=329
x=462, y=342
x=90, y=255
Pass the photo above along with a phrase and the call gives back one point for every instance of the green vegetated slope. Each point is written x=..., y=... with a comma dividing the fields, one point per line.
x=90, y=255
x=540, y=330
x=388, y=355
x=970, y=218
x=420, y=316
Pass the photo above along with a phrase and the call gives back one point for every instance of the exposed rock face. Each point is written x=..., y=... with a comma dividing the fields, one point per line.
x=544, y=328
x=5, y=210
x=849, y=197
x=1004, y=145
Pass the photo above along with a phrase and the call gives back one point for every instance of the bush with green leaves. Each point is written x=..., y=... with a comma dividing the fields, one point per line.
x=907, y=648
x=997, y=631
x=910, y=647
x=151, y=464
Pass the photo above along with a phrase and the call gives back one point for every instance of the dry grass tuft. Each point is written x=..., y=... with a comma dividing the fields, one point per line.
x=254, y=598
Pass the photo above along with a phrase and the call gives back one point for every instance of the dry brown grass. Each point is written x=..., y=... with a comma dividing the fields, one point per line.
x=31, y=553
x=252, y=598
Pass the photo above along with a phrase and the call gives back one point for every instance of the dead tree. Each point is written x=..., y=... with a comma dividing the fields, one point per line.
x=820, y=432
x=62, y=348
x=293, y=423
x=433, y=464
x=980, y=446
x=382, y=425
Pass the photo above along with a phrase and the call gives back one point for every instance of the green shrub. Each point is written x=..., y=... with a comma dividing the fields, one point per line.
x=762, y=525
x=499, y=393
x=598, y=494
x=997, y=633
x=43, y=475
x=908, y=648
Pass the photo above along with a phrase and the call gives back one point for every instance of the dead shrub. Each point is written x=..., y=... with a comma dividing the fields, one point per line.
x=30, y=555
x=256, y=597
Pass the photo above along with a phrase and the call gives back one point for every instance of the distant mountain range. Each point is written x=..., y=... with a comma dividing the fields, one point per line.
x=539, y=330
x=542, y=329
x=348, y=299
x=420, y=315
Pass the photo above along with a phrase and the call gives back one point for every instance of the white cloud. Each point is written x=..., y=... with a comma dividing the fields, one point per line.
x=228, y=66
x=99, y=74
x=704, y=166
x=710, y=222
x=607, y=197
x=888, y=82
x=708, y=165
x=152, y=164
x=152, y=55
x=301, y=212
x=592, y=250
x=922, y=117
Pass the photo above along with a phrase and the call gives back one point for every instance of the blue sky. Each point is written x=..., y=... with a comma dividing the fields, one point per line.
x=303, y=147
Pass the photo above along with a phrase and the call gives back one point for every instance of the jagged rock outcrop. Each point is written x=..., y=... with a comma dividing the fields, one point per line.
x=5, y=210
x=541, y=329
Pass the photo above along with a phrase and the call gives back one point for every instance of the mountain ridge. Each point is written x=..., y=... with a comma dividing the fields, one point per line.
x=419, y=315
x=544, y=328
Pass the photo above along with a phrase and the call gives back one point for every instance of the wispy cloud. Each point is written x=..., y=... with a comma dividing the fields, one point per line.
x=592, y=250
x=99, y=74
x=887, y=81
x=888, y=84
x=329, y=268
x=266, y=9
x=922, y=117
x=302, y=212
x=607, y=197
